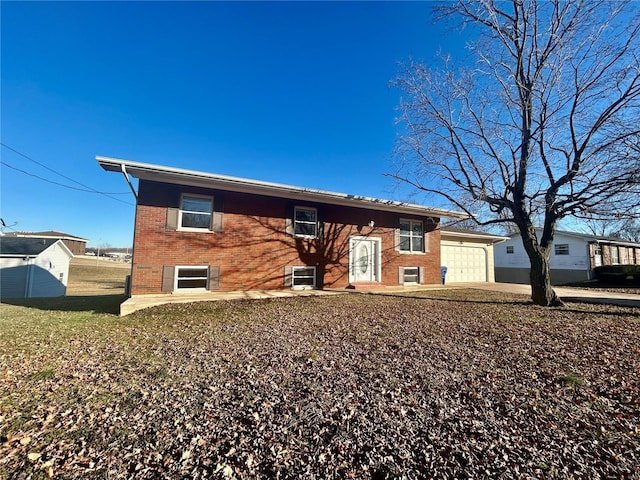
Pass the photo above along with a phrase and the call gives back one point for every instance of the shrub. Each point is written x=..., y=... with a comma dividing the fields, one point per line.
x=617, y=273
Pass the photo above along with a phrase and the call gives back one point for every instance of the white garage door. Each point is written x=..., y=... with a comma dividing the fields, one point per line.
x=464, y=264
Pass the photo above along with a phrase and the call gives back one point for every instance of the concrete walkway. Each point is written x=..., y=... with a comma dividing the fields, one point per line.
x=140, y=302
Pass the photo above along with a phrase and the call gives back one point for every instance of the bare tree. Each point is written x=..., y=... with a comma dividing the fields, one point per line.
x=539, y=123
x=621, y=228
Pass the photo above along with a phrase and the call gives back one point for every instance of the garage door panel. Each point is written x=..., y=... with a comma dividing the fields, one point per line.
x=464, y=264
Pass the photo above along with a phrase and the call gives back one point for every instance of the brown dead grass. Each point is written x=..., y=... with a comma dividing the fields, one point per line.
x=352, y=386
x=100, y=278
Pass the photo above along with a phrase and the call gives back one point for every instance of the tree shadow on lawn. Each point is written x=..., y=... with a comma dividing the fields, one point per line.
x=75, y=303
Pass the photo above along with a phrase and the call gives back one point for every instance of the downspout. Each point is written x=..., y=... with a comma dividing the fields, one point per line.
x=126, y=177
x=133, y=190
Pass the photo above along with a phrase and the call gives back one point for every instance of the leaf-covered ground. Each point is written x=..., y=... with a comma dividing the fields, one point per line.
x=351, y=386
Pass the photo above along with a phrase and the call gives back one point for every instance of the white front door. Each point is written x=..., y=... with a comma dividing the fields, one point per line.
x=364, y=259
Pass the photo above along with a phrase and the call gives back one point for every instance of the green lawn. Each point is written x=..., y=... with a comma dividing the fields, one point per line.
x=461, y=384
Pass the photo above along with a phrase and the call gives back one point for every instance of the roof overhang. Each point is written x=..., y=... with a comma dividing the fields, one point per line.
x=473, y=235
x=614, y=241
x=179, y=176
x=588, y=238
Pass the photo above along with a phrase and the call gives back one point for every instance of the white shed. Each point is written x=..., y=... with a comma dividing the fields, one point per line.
x=33, y=267
x=467, y=254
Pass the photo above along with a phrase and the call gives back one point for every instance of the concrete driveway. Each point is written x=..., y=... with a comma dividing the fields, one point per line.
x=567, y=294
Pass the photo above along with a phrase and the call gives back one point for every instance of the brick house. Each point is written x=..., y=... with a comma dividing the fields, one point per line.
x=197, y=231
x=76, y=245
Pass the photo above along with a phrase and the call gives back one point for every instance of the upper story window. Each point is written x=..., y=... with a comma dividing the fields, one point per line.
x=561, y=248
x=196, y=212
x=305, y=222
x=510, y=249
x=411, y=236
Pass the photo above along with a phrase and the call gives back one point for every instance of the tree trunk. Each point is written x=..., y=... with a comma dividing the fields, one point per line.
x=542, y=292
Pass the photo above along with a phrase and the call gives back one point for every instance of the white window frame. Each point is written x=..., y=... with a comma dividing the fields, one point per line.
x=615, y=259
x=561, y=249
x=624, y=257
x=182, y=211
x=404, y=276
x=510, y=249
x=303, y=287
x=411, y=236
x=204, y=277
x=296, y=221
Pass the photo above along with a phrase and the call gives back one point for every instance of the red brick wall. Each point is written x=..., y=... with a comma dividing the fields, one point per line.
x=77, y=247
x=254, y=249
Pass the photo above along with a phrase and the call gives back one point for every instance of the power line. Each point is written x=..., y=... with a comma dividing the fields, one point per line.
x=84, y=189
x=57, y=183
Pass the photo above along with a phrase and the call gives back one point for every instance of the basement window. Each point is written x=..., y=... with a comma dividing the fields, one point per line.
x=411, y=275
x=192, y=278
x=303, y=277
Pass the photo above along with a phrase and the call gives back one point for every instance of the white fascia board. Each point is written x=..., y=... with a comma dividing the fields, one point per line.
x=479, y=236
x=621, y=243
x=587, y=238
x=158, y=173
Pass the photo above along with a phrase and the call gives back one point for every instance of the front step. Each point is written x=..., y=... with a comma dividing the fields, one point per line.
x=366, y=286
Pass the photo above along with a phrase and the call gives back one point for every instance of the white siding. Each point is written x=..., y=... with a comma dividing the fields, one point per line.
x=43, y=276
x=13, y=277
x=578, y=258
x=50, y=279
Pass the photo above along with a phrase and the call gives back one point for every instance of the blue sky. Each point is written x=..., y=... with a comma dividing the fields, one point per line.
x=291, y=92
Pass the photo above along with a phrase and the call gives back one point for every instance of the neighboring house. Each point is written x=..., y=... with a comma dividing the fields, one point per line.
x=573, y=257
x=197, y=231
x=76, y=245
x=468, y=254
x=33, y=267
